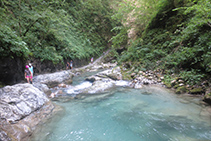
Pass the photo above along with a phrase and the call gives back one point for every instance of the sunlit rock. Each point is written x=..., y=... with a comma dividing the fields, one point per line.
x=22, y=107
x=53, y=79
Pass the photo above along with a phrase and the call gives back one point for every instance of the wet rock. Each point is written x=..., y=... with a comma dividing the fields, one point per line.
x=91, y=79
x=99, y=86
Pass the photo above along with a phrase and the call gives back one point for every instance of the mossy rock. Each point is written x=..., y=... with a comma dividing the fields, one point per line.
x=176, y=86
x=181, y=89
x=197, y=91
x=126, y=76
x=207, y=98
x=168, y=85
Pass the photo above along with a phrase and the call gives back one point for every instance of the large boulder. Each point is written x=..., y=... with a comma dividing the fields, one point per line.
x=53, y=79
x=22, y=108
x=105, y=80
x=20, y=100
x=113, y=74
x=99, y=86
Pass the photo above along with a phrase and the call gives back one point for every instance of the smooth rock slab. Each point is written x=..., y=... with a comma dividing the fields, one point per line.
x=53, y=79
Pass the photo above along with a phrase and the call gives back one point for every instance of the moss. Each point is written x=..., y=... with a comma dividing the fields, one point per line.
x=181, y=89
x=167, y=84
x=197, y=91
x=176, y=86
x=207, y=98
x=2, y=85
x=126, y=76
x=209, y=94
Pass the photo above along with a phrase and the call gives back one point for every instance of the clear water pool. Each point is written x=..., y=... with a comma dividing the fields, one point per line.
x=125, y=114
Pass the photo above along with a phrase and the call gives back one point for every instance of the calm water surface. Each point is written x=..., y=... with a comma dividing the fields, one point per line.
x=125, y=114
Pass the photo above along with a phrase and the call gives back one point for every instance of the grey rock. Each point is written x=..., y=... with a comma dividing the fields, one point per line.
x=53, y=79
x=20, y=100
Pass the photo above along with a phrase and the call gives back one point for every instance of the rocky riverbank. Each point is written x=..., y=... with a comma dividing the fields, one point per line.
x=24, y=106
x=177, y=84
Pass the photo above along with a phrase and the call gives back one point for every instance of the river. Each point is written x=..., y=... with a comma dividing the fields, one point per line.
x=152, y=113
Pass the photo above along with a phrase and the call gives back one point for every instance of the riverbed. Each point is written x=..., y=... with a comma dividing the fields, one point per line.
x=126, y=114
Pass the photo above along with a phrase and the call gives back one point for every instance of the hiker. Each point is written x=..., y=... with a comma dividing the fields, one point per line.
x=31, y=70
x=67, y=65
x=92, y=60
x=71, y=64
x=28, y=75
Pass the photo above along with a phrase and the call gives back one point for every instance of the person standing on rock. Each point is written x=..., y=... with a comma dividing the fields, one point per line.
x=67, y=65
x=31, y=70
x=28, y=75
x=92, y=59
x=71, y=64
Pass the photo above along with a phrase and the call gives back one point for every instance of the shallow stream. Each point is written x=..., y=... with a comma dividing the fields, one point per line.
x=124, y=114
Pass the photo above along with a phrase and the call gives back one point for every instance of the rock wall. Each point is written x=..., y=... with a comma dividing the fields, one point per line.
x=11, y=70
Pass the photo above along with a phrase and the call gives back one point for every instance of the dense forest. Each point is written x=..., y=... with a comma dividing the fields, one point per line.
x=169, y=35
x=54, y=29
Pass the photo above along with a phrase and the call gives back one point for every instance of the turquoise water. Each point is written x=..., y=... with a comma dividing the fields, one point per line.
x=124, y=114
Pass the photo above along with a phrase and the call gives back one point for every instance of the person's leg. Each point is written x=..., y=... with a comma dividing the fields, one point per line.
x=30, y=79
x=27, y=78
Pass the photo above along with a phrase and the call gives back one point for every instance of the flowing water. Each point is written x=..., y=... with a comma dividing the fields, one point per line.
x=125, y=114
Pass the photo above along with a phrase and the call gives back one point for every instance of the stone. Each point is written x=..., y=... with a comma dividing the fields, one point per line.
x=53, y=79
x=207, y=98
x=62, y=85
x=180, y=81
x=181, y=89
x=133, y=75
x=22, y=108
x=197, y=91
x=162, y=78
x=42, y=87
x=181, y=84
x=173, y=82
x=20, y=100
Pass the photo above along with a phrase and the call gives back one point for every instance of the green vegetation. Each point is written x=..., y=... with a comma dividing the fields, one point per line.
x=172, y=35
x=55, y=30
x=169, y=35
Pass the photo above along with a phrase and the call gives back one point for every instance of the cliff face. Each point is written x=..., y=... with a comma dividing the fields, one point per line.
x=11, y=70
